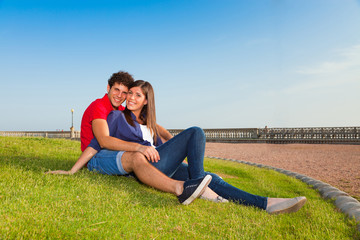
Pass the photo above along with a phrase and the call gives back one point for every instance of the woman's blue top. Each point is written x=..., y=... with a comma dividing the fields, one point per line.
x=120, y=128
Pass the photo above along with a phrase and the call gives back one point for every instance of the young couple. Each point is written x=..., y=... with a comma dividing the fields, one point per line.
x=119, y=141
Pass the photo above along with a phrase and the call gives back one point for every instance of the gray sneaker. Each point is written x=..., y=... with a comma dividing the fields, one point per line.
x=288, y=206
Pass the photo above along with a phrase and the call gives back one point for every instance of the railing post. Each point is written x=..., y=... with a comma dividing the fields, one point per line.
x=72, y=132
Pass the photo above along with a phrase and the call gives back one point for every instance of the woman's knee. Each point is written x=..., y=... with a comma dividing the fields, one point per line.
x=197, y=131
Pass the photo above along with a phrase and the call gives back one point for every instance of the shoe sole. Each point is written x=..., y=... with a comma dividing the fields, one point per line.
x=216, y=200
x=199, y=190
x=294, y=208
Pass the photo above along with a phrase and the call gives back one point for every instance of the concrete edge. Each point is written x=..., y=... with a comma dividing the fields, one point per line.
x=343, y=201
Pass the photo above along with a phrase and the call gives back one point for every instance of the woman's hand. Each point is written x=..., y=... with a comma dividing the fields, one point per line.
x=150, y=153
x=59, y=172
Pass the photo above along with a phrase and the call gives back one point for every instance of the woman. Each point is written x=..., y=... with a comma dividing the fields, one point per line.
x=137, y=123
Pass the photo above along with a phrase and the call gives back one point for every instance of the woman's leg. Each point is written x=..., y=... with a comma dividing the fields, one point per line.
x=189, y=143
x=234, y=194
x=227, y=191
x=224, y=189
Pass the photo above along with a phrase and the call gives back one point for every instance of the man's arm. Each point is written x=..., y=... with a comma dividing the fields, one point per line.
x=165, y=135
x=81, y=162
x=101, y=132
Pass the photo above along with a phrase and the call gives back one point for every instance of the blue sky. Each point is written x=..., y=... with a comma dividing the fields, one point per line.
x=213, y=63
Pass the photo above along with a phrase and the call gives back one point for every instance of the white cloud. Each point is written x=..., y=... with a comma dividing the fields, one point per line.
x=347, y=58
x=329, y=75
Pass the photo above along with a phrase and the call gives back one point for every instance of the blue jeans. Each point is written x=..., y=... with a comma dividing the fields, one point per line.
x=224, y=189
x=190, y=143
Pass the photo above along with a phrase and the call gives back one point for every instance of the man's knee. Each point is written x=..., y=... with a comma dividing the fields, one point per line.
x=132, y=160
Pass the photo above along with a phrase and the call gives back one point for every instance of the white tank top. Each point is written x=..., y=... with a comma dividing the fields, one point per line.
x=147, y=134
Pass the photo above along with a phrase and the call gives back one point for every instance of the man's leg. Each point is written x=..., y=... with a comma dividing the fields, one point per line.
x=120, y=163
x=148, y=174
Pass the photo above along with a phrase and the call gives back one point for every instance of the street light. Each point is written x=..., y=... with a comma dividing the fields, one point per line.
x=72, y=118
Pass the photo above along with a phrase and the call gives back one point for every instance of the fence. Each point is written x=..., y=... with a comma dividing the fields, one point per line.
x=47, y=134
x=326, y=135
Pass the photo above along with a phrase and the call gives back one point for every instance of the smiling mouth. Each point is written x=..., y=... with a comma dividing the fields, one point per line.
x=117, y=99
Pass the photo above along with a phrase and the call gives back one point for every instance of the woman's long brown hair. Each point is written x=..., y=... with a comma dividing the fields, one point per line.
x=148, y=112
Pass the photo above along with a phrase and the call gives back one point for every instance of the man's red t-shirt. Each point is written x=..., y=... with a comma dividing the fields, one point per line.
x=98, y=109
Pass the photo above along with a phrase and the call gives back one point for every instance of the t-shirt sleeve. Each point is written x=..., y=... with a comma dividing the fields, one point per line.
x=99, y=111
x=112, y=124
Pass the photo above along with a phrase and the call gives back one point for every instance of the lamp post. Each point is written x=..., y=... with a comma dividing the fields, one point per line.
x=72, y=133
x=72, y=117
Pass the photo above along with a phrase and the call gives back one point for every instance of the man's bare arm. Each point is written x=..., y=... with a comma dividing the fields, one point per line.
x=101, y=132
x=81, y=162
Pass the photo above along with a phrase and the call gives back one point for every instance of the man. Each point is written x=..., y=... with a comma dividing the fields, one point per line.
x=136, y=157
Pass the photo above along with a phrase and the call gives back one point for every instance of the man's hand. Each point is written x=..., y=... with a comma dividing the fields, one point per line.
x=150, y=153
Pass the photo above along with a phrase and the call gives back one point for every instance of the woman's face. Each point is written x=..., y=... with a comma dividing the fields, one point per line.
x=136, y=99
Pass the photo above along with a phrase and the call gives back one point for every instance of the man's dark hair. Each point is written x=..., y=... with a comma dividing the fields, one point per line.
x=121, y=78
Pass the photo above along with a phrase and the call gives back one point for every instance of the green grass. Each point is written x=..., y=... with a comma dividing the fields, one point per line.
x=93, y=206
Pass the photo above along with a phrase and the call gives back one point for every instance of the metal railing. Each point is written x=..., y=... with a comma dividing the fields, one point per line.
x=327, y=135
x=46, y=134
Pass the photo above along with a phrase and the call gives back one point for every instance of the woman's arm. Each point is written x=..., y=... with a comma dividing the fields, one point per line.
x=165, y=135
x=83, y=159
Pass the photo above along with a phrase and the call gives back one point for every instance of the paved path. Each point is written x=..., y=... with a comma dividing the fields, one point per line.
x=338, y=165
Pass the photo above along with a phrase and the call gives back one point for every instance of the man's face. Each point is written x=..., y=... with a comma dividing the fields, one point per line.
x=117, y=94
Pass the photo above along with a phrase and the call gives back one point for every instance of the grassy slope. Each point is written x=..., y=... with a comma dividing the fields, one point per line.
x=88, y=205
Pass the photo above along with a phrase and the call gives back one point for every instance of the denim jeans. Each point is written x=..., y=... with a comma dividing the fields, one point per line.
x=190, y=143
x=224, y=189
